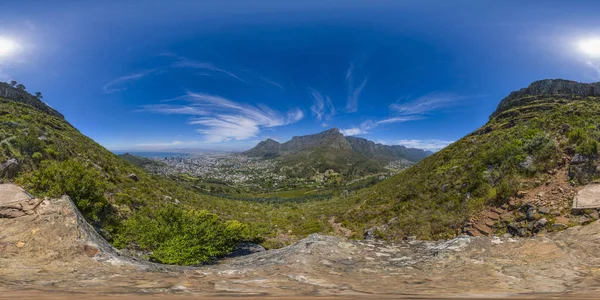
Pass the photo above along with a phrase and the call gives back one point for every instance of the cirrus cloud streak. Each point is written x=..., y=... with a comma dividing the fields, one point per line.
x=221, y=119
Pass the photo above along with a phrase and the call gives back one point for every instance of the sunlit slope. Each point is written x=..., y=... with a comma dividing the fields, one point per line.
x=534, y=131
x=131, y=208
x=49, y=157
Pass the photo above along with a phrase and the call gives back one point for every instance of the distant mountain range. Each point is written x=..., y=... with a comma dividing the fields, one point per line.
x=332, y=150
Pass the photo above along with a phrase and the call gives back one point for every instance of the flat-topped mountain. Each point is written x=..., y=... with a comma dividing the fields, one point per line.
x=330, y=149
x=334, y=140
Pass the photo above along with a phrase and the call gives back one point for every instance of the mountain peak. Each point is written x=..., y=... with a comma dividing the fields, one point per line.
x=548, y=87
x=332, y=130
x=270, y=141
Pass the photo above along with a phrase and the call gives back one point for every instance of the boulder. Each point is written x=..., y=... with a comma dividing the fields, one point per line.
x=9, y=168
x=541, y=223
x=529, y=211
x=579, y=159
x=133, y=177
x=528, y=164
x=369, y=234
x=345, y=194
x=517, y=229
x=544, y=210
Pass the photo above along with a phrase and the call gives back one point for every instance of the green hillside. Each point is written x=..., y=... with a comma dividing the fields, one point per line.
x=526, y=138
x=550, y=125
x=119, y=199
x=139, y=161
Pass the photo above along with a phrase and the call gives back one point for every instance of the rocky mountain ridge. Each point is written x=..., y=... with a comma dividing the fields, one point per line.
x=334, y=140
x=547, y=87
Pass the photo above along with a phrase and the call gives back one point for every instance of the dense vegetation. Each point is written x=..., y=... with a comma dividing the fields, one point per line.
x=174, y=222
x=178, y=236
x=515, y=150
x=55, y=159
x=140, y=162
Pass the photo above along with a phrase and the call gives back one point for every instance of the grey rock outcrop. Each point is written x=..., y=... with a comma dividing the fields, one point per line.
x=133, y=177
x=9, y=168
x=547, y=87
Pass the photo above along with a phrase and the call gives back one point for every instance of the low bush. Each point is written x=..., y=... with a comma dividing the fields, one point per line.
x=177, y=236
x=84, y=185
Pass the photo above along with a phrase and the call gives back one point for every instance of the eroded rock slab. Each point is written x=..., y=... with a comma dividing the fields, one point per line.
x=587, y=198
x=52, y=250
x=12, y=194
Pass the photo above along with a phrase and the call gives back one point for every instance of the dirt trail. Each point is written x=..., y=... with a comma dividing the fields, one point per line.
x=48, y=251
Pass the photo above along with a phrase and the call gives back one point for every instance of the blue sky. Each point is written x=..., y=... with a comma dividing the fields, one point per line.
x=226, y=74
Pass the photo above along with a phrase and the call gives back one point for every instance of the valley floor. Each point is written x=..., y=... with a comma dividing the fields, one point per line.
x=45, y=249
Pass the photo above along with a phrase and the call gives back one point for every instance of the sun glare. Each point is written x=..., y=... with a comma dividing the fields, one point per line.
x=590, y=47
x=8, y=47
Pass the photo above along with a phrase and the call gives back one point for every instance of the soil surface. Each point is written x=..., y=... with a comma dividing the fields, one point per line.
x=48, y=251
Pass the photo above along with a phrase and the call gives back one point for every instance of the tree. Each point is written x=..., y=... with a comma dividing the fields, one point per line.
x=39, y=95
x=13, y=83
x=20, y=87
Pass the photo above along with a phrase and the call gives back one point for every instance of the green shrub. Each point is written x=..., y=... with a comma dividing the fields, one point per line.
x=37, y=156
x=588, y=147
x=178, y=236
x=84, y=185
x=577, y=135
x=29, y=144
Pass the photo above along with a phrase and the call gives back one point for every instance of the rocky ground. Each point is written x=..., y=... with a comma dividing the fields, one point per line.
x=46, y=248
x=546, y=207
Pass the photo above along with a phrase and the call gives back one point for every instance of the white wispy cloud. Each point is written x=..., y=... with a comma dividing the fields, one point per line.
x=322, y=107
x=211, y=69
x=431, y=145
x=366, y=126
x=352, y=131
x=222, y=119
x=182, y=62
x=123, y=82
x=426, y=144
x=174, y=109
x=426, y=104
x=271, y=82
x=397, y=120
x=413, y=109
x=353, y=90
